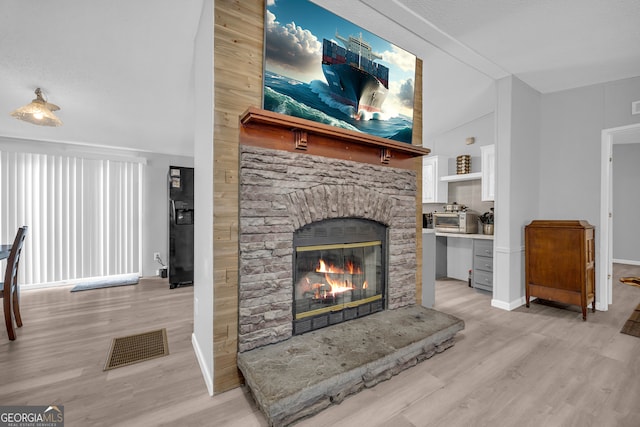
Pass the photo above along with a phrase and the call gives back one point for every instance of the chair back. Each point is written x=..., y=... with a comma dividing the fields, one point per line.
x=11, y=272
x=9, y=294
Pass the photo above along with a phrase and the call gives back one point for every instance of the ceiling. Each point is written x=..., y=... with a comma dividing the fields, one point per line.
x=121, y=71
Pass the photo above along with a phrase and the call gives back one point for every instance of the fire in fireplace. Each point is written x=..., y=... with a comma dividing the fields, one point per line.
x=339, y=272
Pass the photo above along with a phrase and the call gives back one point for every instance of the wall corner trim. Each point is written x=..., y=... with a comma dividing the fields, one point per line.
x=208, y=377
x=509, y=306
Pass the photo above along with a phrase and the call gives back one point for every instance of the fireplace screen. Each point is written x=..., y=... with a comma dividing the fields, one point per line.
x=339, y=281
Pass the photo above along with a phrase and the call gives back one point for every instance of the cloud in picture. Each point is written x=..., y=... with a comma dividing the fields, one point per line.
x=292, y=50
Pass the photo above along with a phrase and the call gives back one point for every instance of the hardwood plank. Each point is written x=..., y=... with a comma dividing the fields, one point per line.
x=536, y=366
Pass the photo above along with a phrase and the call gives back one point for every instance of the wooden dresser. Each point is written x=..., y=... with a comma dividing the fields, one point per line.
x=560, y=262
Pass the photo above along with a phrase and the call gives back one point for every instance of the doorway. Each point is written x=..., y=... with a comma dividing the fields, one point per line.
x=620, y=135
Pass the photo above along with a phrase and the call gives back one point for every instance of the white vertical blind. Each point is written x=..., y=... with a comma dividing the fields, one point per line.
x=83, y=215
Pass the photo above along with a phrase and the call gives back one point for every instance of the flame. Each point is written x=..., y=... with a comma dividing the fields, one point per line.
x=322, y=267
x=333, y=285
x=351, y=268
x=338, y=286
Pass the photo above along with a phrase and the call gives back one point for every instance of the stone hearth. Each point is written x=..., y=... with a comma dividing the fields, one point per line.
x=300, y=377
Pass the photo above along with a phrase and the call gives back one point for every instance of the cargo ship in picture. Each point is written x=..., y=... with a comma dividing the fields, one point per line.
x=353, y=76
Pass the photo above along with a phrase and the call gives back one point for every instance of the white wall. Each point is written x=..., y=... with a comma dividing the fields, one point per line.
x=626, y=203
x=517, y=177
x=618, y=96
x=572, y=122
x=525, y=160
x=202, y=338
x=570, y=146
x=453, y=143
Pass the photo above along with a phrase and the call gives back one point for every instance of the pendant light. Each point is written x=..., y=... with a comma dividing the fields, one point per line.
x=38, y=112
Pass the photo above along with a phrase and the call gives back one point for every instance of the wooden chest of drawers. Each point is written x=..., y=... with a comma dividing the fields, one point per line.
x=560, y=262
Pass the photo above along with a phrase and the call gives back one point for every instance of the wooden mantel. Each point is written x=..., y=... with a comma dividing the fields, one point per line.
x=268, y=129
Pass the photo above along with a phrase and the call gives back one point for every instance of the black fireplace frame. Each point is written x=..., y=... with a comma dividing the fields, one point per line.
x=340, y=231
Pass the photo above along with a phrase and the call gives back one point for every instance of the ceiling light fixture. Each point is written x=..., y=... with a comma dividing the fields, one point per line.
x=38, y=112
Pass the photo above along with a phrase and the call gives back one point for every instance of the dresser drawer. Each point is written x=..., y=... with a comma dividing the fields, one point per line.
x=482, y=263
x=483, y=280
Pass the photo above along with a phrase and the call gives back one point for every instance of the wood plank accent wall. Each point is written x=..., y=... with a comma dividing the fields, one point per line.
x=238, y=52
x=238, y=47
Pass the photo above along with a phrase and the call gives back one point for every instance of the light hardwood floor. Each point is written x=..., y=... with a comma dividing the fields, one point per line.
x=541, y=366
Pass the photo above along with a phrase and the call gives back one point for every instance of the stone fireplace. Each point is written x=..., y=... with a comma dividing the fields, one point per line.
x=327, y=265
x=327, y=233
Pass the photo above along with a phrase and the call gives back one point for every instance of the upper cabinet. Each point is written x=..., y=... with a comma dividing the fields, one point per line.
x=434, y=190
x=488, y=159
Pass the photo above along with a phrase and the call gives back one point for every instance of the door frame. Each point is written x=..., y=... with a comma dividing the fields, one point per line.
x=629, y=134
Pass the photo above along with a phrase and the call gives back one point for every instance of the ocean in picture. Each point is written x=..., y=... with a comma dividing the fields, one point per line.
x=313, y=101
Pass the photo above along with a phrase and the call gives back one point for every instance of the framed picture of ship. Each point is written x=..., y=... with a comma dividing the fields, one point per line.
x=321, y=67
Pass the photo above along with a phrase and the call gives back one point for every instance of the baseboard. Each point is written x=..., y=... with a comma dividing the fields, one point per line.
x=625, y=261
x=522, y=301
x=509, y=305
x=208, y=378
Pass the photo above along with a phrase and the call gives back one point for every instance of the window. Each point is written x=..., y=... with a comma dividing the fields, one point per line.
x=84, y=214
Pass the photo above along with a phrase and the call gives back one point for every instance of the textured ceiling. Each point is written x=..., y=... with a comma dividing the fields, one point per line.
x=122, y=70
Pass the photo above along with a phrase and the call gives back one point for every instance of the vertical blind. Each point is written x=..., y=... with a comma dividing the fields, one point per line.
x=84, y=215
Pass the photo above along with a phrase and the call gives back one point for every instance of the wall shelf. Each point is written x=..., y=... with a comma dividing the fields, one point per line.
x=462, y=177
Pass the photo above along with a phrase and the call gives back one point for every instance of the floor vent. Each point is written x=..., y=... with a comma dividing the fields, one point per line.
x=137, y=348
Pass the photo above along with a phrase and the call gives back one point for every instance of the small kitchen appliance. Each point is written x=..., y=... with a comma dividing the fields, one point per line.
x=455, y=219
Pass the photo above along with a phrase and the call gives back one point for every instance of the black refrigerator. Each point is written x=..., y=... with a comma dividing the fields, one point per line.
x=180, y=226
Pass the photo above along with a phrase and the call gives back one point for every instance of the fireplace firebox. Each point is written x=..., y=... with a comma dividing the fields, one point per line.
x=339, y=272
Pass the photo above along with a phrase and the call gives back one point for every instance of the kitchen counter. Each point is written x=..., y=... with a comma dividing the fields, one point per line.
x=465, y=235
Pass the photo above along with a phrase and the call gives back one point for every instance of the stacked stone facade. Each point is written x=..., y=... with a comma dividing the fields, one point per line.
x=281, y=192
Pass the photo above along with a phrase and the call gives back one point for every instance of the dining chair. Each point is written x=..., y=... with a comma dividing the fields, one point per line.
x=9, y=292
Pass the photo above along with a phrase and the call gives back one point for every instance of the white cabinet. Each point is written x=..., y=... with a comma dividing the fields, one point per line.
x=488, y=164
x=434, y=190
